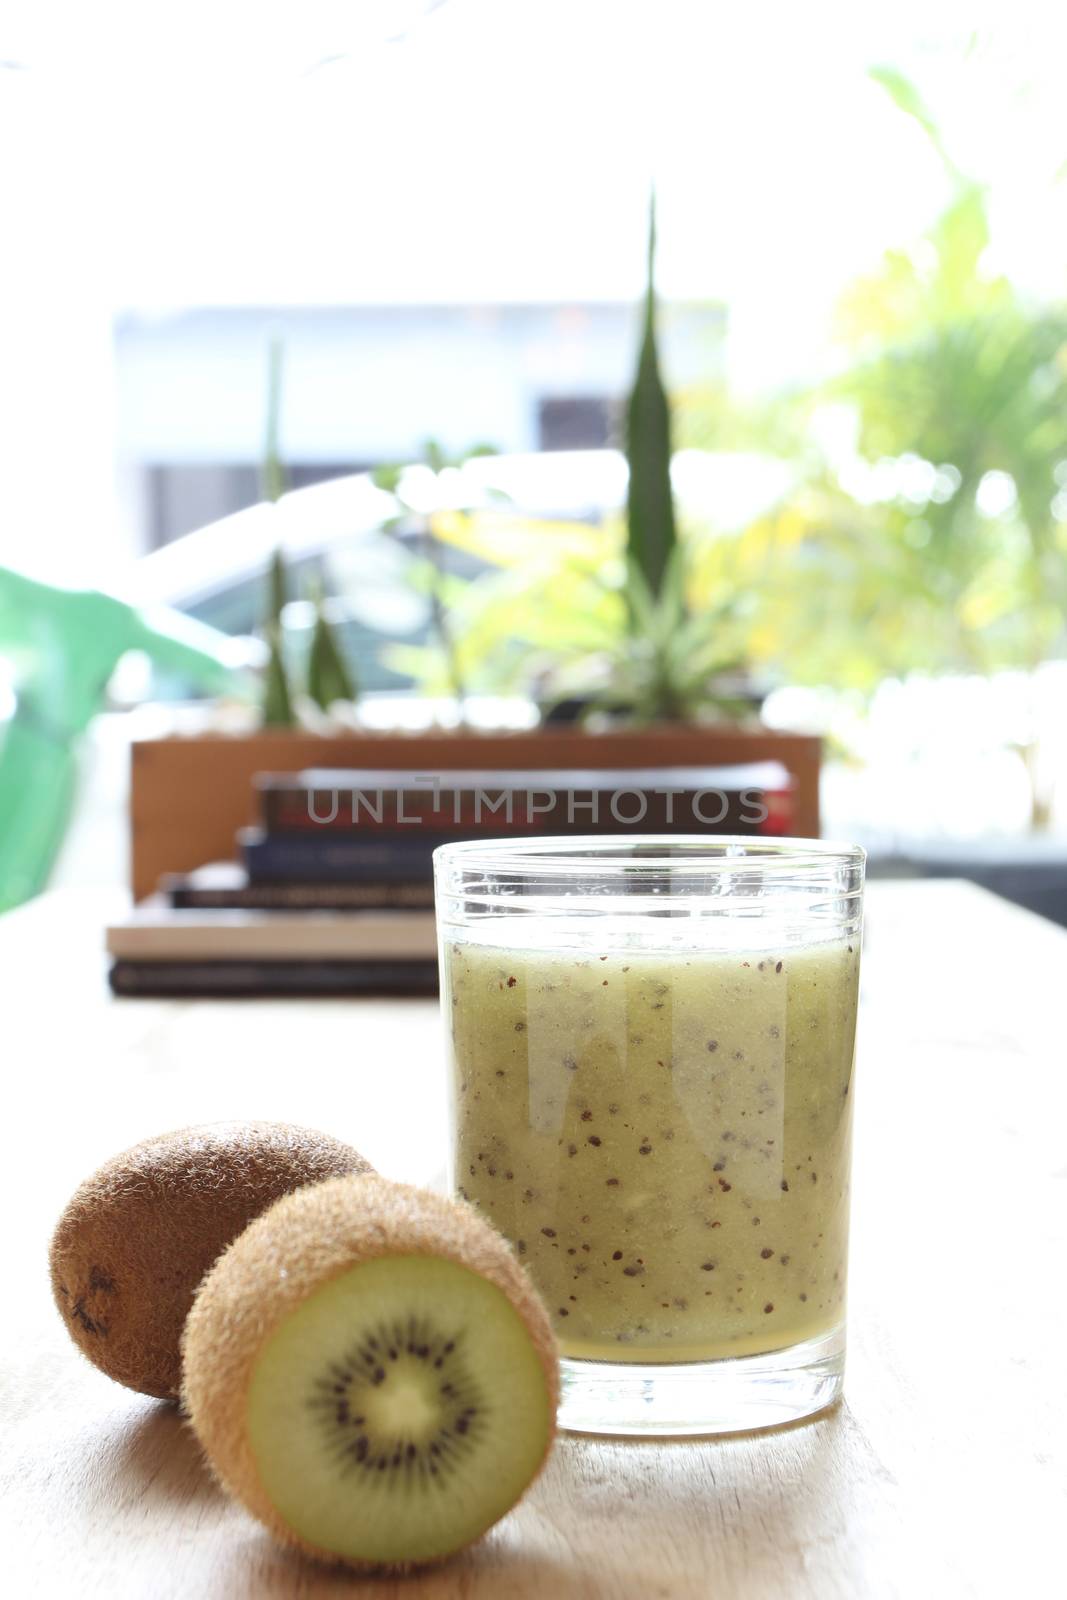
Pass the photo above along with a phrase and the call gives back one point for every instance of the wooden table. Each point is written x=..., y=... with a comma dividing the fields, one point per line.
x=941, y=1474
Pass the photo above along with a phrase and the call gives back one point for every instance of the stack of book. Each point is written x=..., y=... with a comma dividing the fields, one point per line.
x=333, y=891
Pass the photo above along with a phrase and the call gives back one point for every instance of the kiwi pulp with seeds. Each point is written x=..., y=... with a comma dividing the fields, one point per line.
x=370, y=1371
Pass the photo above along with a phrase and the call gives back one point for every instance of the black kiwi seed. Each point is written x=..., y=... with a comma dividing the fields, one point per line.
x=335, y=1398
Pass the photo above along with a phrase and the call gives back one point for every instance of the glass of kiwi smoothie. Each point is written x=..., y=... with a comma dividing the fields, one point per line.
x=651, y=1046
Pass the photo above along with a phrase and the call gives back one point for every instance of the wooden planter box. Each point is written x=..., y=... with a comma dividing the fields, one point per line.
x=189, y=795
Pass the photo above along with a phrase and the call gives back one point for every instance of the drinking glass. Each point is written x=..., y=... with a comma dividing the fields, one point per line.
x=651, y=1045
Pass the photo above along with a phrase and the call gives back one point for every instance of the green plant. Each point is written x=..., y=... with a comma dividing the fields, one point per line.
x=612, y=616
x=278, y=709
x=272, y=471
x=936, y=539
x=327, y=677
x=572, y=617
x=940, y=542
x=277, y=701
x=667, y=656
x=651, y=535
x=440, y=667
x=672, y=662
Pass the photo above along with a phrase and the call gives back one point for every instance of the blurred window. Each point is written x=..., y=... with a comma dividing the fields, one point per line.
x=183, y=496
x=575, y=422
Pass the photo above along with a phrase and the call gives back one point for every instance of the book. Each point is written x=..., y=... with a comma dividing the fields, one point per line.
x=263, y=979
x=225, y=885
x=154, y=931
x=312, y=857
x=397, y=805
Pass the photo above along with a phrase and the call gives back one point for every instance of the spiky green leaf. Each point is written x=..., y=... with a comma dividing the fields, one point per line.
x=649, y=500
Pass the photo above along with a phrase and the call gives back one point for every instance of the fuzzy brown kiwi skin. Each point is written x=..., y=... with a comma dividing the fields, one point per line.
x=136, y=1238
x=300, y=1244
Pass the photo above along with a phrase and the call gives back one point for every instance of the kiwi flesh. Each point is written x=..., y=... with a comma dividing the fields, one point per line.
x=136, y=1238
x=371, y=1373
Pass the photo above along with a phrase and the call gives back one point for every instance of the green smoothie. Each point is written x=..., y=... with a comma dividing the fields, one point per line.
x=664, y=1137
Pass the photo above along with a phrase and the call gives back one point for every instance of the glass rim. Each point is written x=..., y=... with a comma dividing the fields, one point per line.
x=686, y=854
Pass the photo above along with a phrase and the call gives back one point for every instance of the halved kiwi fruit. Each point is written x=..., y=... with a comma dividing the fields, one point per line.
x=136, y=1238
x=371, y=1373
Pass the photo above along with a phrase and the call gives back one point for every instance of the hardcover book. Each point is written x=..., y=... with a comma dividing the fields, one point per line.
x=154, y=931
x=295, y=979
x=742, y=799
x=225, y=885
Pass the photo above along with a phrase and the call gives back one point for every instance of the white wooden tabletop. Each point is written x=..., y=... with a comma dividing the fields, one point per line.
x=941, y=1474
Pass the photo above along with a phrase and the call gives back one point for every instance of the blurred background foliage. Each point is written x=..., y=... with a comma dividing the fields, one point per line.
x=935, y=537
x=922, y=523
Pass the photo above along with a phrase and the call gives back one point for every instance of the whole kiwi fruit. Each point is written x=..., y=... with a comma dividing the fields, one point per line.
x=371, y=1373
x=136, y=1238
